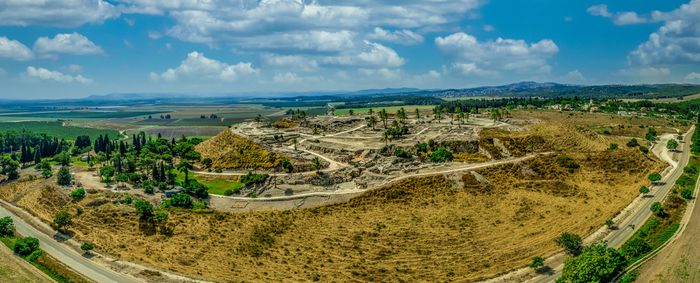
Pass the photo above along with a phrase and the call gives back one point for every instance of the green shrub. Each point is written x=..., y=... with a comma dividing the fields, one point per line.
x=25, y=246
x=78, y=194
x=181, y=200
x=252, y=179
x=687, y=193
x=7, y=227
x=441, y=155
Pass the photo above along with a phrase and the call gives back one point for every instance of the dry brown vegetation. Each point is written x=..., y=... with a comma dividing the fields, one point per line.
x=442, y=228
x=230, y=151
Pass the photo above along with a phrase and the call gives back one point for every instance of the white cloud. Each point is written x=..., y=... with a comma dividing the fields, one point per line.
x=676, y=42
x=381, y=73
x=470, y=69
x=619, y=18
x=196, y=66
x=287, y=77
x=68, y=13
x=488, y=57
x=14, y=49
x=303, y=63
x=693, y=76
x=404, y=36
x=599, y=10
x=66, y=43
x=374, y=54
x=73, y=68
x=573, y=77
x=48, y=75
x=629, y=18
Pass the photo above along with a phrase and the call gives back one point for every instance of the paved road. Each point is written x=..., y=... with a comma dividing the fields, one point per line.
x=618, y=237
x=66, y=255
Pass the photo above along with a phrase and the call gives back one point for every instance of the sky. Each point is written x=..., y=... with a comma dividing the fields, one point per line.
x=77, y=48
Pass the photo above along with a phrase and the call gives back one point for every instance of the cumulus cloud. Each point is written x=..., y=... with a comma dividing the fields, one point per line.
x=66, y=43
x=619, y=18
x=676, y=42
x=373, y=54
x=197, y=66
x=489, y=57
x=48, y=75
x=71, y=13
x=404, y=36
x=14, y=49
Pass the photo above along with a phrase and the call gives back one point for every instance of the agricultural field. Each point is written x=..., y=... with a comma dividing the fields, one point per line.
x=56, y=129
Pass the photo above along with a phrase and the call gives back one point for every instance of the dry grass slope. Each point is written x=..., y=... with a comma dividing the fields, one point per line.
x=230, y=151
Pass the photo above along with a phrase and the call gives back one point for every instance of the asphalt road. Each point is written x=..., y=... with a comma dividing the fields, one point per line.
x=66, y=255
x=618, y=237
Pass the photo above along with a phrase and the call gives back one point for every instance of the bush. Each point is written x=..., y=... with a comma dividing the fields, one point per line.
x=197, y=189
x=635, y=247
x=654, y=177
x=251, y=179
x=441, y=155
x=143, y=208
x=632, y=143
x=232, y=191
x=644, y=190
x=567, y=162
x=7, y=227
x=644, y=149
x=25, y=246
x=687, y=193
x=181, y=200
x=401, y=153
x=78, y=194
x=572, y=243
x=613, y=146
x=537, y=263
x=658, y=209
x=87, y=247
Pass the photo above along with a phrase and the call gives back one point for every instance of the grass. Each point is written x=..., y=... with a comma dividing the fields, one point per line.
x=56, y=129
x=216, y=186
x=85, y=115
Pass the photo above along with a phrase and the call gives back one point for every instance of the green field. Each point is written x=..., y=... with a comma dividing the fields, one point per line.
x=410, y=109
x=56, y=129
x=85, y=114
x=215, y=186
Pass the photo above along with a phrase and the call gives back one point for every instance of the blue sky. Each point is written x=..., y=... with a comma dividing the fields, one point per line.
x=75, y=48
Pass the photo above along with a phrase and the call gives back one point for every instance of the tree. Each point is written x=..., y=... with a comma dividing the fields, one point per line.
x=644, y=149
x=107, y=173
x=687, y=193
x=672, y=144
x=287, y=165
x=371, y=121
x=63, y=177
x=658, y=209
x=572, y=243
x=632, y=143
x=384, y=116
x=26, y=246
x=87, y=247
x=144, y=209
x=537, y=263
x=207, y=162
x=651, y=134
x=62, y=219
x=634, y=247
x=351, y=112
x=644, y=190
x=78, y=194
x=185, y=167
x=7, y=227
x=441, y=155
x=9, y=168
x=417, y=113
x=316, y=163
x=610, y=224
x=654, y=177
x=596, y=263
x=613, y=146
